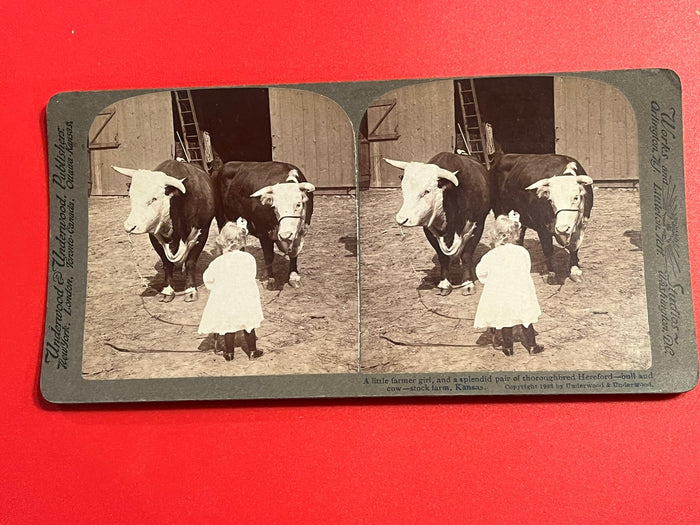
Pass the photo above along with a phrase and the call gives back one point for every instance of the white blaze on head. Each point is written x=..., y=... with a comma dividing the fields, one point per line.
x=150, y=204
x=288, y=200
x=422, y=191
x=566, y=193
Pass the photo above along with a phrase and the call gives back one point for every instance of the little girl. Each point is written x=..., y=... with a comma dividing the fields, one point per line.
x=234, y=302
x=509, y=297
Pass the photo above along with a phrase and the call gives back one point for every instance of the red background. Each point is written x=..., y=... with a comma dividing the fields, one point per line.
x=530, y=460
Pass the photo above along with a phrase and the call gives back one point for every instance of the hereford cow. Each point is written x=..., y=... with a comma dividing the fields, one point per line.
x=554, y=197
x=174, y=204
x=277, y=202
x=449, y=197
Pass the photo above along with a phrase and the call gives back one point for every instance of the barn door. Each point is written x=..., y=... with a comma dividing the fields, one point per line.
x=382, y=125
x=314, y=133
x=135, y=132
x=103, y=135
x=412, y=123
x=595, y=123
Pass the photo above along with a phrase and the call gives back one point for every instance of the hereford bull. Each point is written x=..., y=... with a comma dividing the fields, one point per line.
x=554, y=197
x=275, y=199
x=449, y=197
x=174, y=205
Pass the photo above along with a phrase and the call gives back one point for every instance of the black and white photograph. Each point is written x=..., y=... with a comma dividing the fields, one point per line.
x=500, y=228
x=222, y=236
x=494, y=235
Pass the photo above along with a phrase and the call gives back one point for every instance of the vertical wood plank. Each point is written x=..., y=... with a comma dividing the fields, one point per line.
x=144, y=128
x=604, y=137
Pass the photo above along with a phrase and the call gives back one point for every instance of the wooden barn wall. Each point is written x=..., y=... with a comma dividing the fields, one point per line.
x=143, y=129
x=313, y=133
x=425, y=125
x=595, y=123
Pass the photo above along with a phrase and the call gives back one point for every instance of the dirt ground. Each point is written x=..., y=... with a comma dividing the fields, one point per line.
x=309, y=330
x=597, y=324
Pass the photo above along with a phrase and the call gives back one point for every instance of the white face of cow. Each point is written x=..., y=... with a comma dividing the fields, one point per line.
x=150, y=205
x=288, y=200
x=422, y=192
x=566, y=194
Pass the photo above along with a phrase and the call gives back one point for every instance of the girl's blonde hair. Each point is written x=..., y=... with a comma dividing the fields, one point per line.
x=505, y=230
x=232, y=237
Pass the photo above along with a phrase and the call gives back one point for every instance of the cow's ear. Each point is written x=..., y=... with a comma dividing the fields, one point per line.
x=584, y=179
x=402, y=165
x=264, y=194
x=307, y=187
x=542, y=187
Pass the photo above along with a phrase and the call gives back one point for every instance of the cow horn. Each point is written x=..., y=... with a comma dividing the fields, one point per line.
x=449, y=175
x=537, y=185
x=125, y=171
x=584, y=179
x=402, y=165
x=172, y=181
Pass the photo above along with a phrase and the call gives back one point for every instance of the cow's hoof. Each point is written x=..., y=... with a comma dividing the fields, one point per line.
x=507, y=352
x=166, y=298
x=191, y=296
x=255, y=354
x=228, y=356
x=552, y=278
x=271, y=283
x=537, y=349
x=468, y=288
x=576, y=274
x=294, y=280
x=444, y=291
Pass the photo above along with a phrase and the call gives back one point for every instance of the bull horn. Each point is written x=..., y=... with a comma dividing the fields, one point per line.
x=307, y=186
x=449, y=175
x=172, y=181
x=584, y=179
x=402, y=165
x=125, y=171
x=537, y=185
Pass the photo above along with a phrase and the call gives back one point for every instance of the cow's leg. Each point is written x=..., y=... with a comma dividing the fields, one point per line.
x=548, y=251
x=468, y=273
x=168, y=293
x=293, y=278
x=268, y=249
x=444, y=284
x=189, y=267
x=576, y=239
x=521, y=239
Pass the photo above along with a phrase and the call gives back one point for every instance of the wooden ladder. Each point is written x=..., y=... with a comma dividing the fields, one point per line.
x=472, y=130
x=190, y=128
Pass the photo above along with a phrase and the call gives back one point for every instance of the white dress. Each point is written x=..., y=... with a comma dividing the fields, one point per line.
x=508, y=297
x=234, y=301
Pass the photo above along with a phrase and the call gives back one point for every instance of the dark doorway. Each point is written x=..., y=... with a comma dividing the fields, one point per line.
x=238, y=122
x=520, y=110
